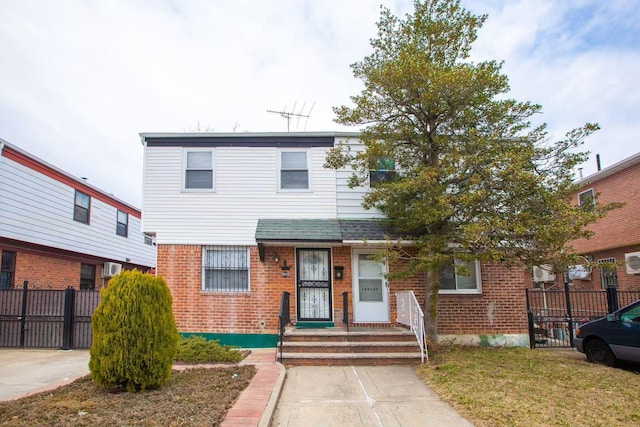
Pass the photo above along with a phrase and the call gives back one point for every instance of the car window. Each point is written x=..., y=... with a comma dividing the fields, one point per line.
x=631, y=315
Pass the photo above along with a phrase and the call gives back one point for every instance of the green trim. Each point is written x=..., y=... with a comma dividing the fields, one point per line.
x=314, y=325
x=239, y=340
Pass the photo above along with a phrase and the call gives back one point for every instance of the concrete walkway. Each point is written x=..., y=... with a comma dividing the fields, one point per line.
x=24, y=372
x=350, y=396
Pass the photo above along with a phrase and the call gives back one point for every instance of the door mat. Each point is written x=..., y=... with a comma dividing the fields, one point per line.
x=314, y=325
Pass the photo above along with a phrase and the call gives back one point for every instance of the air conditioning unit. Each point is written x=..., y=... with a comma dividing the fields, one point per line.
x=543, y=273
x=632, y=262
x=111, y=269
x=579, y=272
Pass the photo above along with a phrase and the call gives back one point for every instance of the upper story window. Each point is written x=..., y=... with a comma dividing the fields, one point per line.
x=294, y=170
x=81, y=207
x=587, y=198
x=384, y=172
x=87, y=276
x=7, y=270
x=452, y=281
x=148, y=240
x=122, y=224
x=225, y=268
x=198, y=174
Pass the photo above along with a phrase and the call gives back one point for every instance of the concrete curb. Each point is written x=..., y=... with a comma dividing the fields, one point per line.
x=267, y=415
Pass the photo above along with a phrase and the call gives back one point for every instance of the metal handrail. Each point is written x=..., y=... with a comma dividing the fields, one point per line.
x=284, y=319
x=345, y=309
x=411, y=315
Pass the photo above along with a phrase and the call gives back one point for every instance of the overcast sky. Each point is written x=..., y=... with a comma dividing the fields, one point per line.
x=80, y=79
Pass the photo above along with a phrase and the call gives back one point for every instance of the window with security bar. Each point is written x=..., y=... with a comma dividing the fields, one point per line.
x=225, y=268
x=608, y=273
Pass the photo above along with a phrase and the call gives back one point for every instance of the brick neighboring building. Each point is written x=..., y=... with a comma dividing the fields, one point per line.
x=617, y=234
x=58, y=231
x=240, y=218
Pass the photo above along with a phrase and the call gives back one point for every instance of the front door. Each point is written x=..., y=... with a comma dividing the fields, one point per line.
x=314, y=284
x=370, y=289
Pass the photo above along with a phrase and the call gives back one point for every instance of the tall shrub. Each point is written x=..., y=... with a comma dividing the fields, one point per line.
x=134, y=333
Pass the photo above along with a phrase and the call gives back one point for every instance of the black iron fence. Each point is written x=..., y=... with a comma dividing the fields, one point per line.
x=45, y=318
x=554, y=315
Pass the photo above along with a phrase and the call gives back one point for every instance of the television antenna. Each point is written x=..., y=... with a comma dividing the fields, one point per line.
x=288, y=115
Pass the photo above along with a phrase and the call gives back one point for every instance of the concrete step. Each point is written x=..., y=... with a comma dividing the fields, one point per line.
x=350, y=359
x=338, y=335
x=350, y=347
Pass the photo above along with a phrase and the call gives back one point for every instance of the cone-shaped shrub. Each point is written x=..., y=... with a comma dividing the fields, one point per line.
x=134, y=333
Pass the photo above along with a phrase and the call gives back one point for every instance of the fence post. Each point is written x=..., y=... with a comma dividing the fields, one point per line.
x=23, y=312
x=532, y=332
x=567, y=295
x=612, y=299
x=67, y=328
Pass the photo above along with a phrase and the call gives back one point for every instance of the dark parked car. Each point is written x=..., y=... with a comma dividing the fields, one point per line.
x=612, y=338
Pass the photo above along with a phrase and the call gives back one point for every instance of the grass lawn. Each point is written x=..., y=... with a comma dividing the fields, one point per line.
x=522, y=387
x=197, y=396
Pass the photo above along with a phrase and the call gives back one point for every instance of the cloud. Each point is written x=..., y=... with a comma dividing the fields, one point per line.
x=81, y=79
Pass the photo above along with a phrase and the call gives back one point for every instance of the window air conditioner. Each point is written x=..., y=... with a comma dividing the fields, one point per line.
x=111, y=269
x=543, y=273
x=632, y=262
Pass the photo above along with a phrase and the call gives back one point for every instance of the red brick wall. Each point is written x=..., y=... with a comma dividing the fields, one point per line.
x=621, y=227
x=626, y=282
x=499, y=309
x=49, y=272
x=226, y=312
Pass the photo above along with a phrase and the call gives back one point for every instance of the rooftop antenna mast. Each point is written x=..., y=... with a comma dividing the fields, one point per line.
x=288, y=115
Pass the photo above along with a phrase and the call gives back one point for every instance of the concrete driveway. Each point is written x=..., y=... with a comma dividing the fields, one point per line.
x=350, y=396
x=24, y=372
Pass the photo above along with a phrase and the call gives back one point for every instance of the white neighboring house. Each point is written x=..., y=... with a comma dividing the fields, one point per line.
x=58, y=231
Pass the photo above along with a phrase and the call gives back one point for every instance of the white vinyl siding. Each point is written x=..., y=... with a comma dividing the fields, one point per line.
x=38, y=209
x=246, y=184
x=349, y=200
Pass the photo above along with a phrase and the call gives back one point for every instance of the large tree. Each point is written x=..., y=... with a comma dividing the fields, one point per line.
x=475, y=180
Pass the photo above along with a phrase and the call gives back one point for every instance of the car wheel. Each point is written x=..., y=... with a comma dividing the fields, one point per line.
x=598, y=351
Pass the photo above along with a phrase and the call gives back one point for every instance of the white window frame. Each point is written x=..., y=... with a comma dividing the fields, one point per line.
x=392, y=172
x=118, y=222
x=309, y=180
x=593, y=196
x=206, y=248
x=184, y=170
x=476, y=291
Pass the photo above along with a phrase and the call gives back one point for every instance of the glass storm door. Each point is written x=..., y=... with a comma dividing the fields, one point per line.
x=370, y=291
x=314, y=284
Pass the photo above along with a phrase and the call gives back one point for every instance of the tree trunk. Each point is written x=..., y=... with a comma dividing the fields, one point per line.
x=431, y=286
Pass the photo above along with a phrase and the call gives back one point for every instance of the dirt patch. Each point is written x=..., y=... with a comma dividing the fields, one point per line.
x=195, y=396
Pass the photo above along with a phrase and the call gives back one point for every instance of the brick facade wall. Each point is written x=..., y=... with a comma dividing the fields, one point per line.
x=255, y=311
x=626, y=282
x=621, y=227
x=49, y=271
x=500, y=309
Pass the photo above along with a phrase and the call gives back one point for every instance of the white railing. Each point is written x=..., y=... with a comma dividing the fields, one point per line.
x=411, y=315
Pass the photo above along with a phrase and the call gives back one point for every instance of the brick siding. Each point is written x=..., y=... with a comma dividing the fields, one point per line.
x=617, y=233
x=49, y=272
x=500, y=309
